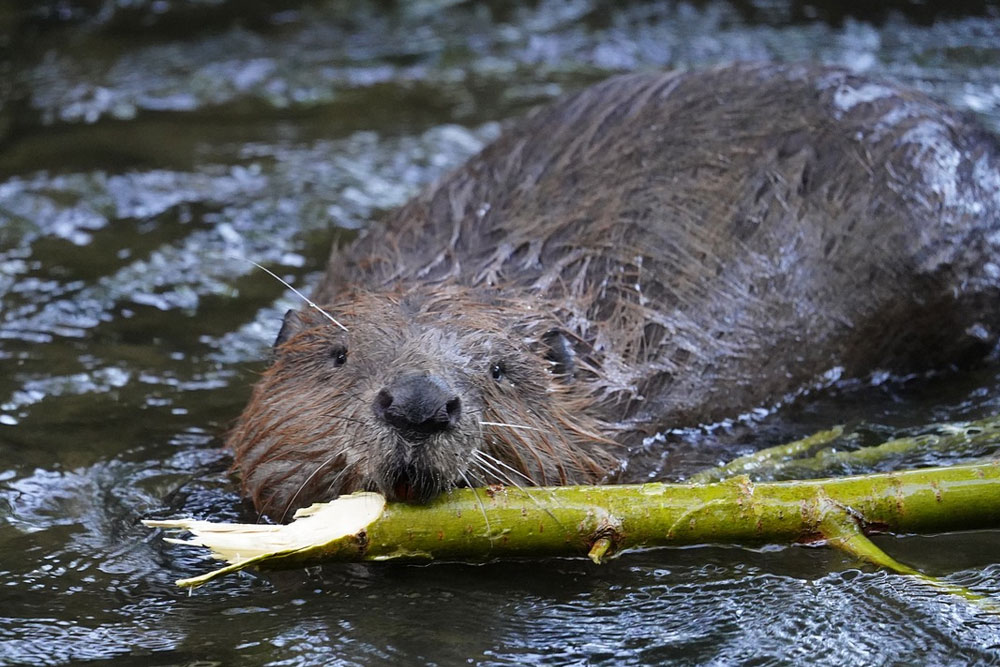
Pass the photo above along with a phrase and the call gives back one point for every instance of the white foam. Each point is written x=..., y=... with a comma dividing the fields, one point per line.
x=847, y=97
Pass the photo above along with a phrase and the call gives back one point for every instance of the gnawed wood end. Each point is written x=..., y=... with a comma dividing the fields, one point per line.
x=245, y=544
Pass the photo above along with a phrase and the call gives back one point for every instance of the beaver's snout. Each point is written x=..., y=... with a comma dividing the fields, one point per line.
x=418, y=405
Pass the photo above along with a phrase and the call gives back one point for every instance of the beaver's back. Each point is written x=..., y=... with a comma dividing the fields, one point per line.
x=719, y=239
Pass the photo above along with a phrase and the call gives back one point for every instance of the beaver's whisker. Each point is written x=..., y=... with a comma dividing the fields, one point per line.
x=299, y=294
x=479, y=454
x=496, y=472
x=484, y=475
x=291, y=501
x=491, y=464
x=478, y=475
x=291, y=471
x=333, y=482
x=353, y=437
x=486, y=466
x=482, y=507
x=501, y=477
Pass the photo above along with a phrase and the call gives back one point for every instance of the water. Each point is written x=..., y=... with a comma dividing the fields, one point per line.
x=144, y=145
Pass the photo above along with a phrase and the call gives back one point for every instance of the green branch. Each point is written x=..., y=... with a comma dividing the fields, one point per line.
x=831, y=452
x=601, y=521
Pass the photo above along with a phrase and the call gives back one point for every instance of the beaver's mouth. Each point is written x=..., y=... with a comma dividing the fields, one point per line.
x=412, y=485
x=413, y=473
x=405, y=491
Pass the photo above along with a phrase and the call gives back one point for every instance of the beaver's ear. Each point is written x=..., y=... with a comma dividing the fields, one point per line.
x=560, y=352
x=292, y=324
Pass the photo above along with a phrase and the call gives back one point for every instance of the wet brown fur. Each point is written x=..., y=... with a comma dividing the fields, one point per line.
x=325, y=423
x=708, y=242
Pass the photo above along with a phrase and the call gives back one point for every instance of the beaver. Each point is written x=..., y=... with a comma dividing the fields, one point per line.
x=658, y=250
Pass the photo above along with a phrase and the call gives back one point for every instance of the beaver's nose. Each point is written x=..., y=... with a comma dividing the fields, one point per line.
x=418, y=405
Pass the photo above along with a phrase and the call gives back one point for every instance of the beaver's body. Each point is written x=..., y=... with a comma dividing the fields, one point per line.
x=658, y=250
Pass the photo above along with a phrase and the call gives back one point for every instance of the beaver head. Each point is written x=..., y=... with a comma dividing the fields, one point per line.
x=418, y=393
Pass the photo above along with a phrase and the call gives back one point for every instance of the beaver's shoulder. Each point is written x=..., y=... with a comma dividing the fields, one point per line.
x=696, y=228
x=705, y=152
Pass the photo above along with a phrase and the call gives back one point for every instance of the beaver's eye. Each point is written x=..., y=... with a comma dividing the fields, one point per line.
x=497, y=370
x=339, y=355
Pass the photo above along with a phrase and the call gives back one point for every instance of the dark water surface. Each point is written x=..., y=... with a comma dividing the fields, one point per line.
x=145, y=143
